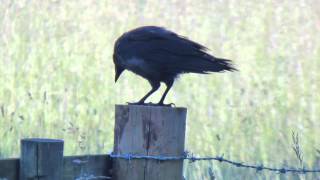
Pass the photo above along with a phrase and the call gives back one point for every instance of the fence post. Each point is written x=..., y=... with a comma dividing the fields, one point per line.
x=153, y=131
x=41, y=159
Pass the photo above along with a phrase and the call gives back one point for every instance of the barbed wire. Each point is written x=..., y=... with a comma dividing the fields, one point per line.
x=192, y=158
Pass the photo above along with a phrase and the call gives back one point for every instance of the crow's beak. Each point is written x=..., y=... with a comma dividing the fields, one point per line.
x=118, y=70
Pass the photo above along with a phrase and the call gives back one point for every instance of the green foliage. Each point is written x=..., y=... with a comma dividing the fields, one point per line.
x=57, y=77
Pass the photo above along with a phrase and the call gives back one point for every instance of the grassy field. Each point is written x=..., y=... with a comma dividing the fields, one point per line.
x=57, y=77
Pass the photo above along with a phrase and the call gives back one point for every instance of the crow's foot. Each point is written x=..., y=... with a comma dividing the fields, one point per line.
x=152, y=104
x=136, y=103
x=166, y=105
x=141, y=103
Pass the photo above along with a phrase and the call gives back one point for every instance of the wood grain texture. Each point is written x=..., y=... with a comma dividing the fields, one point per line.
x=9, y=169
x=86, y=165
x=41, y=159
x=149, y=130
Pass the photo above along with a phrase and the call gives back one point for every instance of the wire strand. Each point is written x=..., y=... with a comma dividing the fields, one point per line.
x=192, y=158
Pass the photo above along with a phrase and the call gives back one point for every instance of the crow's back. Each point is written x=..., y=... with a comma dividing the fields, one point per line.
x=164, y=52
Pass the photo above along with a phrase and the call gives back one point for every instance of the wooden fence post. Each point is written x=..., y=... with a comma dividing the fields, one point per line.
x=41, y=159
x=153, y=131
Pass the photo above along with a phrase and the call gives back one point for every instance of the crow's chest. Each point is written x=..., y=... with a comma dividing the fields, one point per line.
x=142, y=68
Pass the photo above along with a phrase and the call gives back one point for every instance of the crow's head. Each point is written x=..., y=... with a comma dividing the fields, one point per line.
x=118, y=68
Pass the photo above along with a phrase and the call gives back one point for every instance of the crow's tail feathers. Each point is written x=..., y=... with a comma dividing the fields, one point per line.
x=202, y=65
x=220, y=65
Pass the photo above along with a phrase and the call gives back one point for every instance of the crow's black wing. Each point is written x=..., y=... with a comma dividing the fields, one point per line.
x=164, y=40
x=168, y=52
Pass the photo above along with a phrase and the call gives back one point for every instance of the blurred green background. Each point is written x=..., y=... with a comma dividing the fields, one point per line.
x=57, y=78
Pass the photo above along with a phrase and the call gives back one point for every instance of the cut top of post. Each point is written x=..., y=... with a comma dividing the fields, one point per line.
x=43, y=140
x=154, y=107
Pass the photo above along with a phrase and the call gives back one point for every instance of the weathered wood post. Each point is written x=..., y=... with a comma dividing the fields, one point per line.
x=41, y=159
x=152, y=131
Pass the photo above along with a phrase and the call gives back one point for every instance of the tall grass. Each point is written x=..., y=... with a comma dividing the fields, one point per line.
x=56, y=77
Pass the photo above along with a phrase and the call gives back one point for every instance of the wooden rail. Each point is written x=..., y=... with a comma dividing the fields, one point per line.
x=73, y=167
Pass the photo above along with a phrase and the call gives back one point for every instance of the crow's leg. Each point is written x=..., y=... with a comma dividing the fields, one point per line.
x=155, y=86
x=169, y=85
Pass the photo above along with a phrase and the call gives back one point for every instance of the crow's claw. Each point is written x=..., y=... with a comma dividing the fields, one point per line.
x=136, y=103
x=152, y=104
x=166, y=105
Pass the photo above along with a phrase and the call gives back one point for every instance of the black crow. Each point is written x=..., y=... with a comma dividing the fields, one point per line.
x=160, y=55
